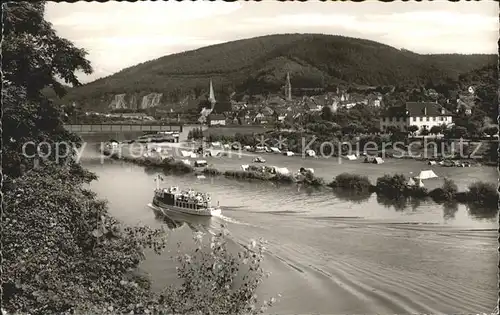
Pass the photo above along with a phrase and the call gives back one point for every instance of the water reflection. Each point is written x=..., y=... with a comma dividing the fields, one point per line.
x=175, y=220
x=479, y=212
x=414, y=203
x=309, y=190
x=399, y=204
x=151, y=170
x=351, y=196
x=449, y=210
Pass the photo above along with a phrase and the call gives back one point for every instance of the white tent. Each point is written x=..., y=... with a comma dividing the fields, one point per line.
x=244, y=167
x=216, y=144
x=289, y=153
x=426, y=175
x=275, y=150
x=186, y=153
x=281, y=170
x=194, y=155
x=310, y=153
x=187, y=162
x=351, y=157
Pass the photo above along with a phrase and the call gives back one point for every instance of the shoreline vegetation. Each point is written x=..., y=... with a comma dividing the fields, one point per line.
x=392, y=187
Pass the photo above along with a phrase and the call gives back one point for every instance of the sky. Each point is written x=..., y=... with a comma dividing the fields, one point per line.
x=118, y=35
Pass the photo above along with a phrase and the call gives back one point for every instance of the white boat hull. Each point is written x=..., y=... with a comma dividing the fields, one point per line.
x=208, y=212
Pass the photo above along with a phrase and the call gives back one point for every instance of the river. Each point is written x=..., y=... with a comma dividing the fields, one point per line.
x=330, y=254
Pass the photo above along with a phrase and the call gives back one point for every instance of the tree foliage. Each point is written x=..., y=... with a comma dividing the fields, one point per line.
x=33, y=56
x=63, y=252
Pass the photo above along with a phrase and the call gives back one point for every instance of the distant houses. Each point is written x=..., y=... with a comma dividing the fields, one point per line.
x=424, y=115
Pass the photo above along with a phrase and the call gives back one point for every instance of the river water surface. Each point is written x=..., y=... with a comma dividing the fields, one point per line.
x=327, y=253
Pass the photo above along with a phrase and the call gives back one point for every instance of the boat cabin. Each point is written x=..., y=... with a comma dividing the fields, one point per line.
x=190, y=199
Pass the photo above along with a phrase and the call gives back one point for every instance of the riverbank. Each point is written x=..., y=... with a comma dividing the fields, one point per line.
x=393, y=187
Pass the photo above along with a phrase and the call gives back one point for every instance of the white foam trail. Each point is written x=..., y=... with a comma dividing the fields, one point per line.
x=227, y=219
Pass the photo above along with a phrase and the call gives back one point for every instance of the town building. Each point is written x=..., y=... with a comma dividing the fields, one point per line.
x=424, y=115
x=217, y=120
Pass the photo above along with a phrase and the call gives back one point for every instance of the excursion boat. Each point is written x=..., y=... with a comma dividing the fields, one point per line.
x=188, y=202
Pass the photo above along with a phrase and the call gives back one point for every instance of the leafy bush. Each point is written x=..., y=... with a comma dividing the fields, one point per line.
x=416, y=192
x=247, y=175
x=481, y=193
x=217, y=282
x=170, y=165
x=351, y=181
x=394, y=185
x=445, y=193
x=214, y=281
x=211, y=171
x=312, y=180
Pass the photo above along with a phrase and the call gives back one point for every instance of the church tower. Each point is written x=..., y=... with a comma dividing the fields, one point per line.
x=288, y=87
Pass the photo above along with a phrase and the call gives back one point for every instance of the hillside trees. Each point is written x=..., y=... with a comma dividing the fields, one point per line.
x=259, y=65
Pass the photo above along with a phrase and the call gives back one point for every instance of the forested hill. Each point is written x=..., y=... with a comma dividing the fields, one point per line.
x=259, y=65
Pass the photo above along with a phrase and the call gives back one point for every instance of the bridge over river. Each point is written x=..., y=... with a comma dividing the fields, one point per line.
x=127, y=131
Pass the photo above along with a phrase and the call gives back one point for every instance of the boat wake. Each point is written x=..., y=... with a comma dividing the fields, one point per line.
x=219, y=216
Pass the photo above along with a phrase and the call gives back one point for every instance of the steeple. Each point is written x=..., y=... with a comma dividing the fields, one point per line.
x=288, y=87
x=211, y=97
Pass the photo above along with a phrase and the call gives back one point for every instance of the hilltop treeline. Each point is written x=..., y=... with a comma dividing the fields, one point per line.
x=259, y=66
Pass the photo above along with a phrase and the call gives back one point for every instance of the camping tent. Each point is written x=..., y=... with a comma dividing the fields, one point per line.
x=378, y=160
x=275, y=150
x=244, y=167
x=310, y=153
x=289, y=153
x=281, y=170
x=351, y=157
x=186, y=153
x=426, y=175
x=187, y=162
